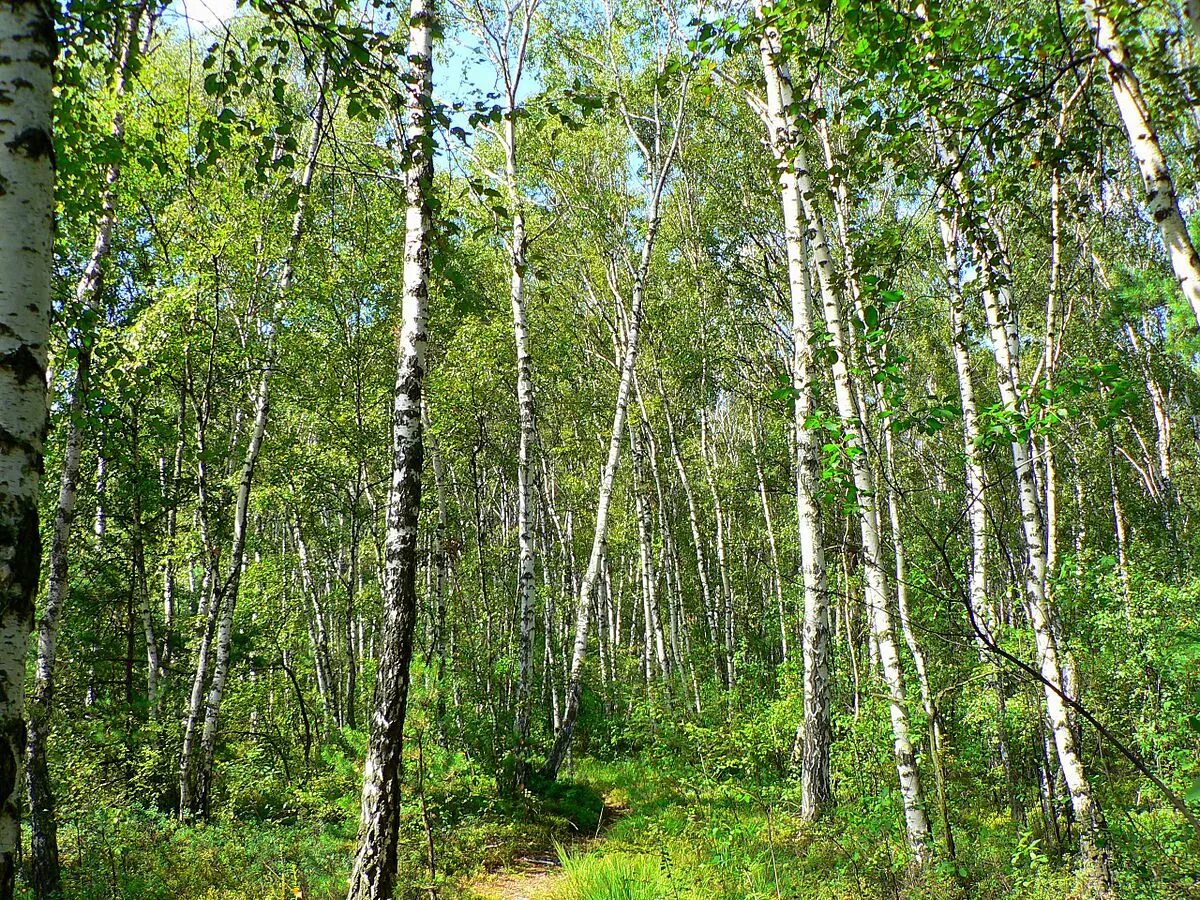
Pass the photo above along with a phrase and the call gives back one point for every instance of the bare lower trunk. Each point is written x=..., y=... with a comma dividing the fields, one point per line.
x=722, y=563
x=706, y=602
x=997, y=303
x=225, y=601
x=375, y=860
x=816, y=729
x=659, y=163
x=768, y=521
x=916, y=822
x=27, y=53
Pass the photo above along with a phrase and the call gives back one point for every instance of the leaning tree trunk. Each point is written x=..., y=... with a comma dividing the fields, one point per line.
x=45, y=876
x=1162, y=204
x=665, y=162
x=526, y=587
x=27, y=53
x=562, y=739
x=195, y=776
x=375, y=859
x=998, y=308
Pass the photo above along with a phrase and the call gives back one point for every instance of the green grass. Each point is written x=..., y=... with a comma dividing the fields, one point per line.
x=687, y=837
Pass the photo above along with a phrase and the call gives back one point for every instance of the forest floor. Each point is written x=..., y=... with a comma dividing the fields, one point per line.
x=538, y=871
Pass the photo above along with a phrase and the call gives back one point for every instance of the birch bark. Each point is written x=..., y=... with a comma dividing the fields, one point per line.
x=780, y=94
x=375, y=860
x=659, y=163
x=1162, y=203
x=44, y=864
x=27, y=55
x=996, y=273
x=817, y=728
x=195, y=776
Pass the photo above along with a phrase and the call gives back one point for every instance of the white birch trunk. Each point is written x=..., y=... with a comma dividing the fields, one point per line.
x=722, y=562
x=817, y=728
x=980, y=610
x=562, y=738
x=27, y=53
x=706, y=602
x=916, y=821
x=374, y=872
x=1162, y=203
x=996, y=272
x=225, y=595
x=44, y=830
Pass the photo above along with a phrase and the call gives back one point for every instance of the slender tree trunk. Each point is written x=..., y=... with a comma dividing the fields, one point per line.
x=441, y=562
x=318, y=631
x=153, y=664
x=768, y=521
x=171, y=501
x=526, y=588
x=44, y=863
x=722, y=562
x=928, y=696
x=706, y=601
x=27, y=55
x=997, y=305
x=655, y=638
x=979, y=607
x=225, y=595
x=375, y=861
x=562, y=738
x=816, y=787
x=1162, y=203
x=916, y=822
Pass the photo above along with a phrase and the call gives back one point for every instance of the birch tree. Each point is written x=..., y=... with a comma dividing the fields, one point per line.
x=44, y=862
x=1161, y=202
x=916, y=822
x=658, y=155
x=27, y=57
x=374, y=872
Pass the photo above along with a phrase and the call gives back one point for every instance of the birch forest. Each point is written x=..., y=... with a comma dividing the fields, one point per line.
x=600, y=449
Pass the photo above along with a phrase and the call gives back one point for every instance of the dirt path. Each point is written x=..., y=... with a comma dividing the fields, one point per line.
x=534, y=875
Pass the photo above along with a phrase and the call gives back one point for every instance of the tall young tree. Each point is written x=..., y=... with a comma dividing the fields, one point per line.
x=658, y=154
x=860, y=456
x=44, y=863
x=374, y=873
x=817, y=730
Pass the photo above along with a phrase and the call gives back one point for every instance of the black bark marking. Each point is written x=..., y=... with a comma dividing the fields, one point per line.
x=34, y=143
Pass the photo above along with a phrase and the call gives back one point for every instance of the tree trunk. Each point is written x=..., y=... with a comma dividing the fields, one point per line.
x=916, y=822
x=27, y=53
x=768, y=521
x=722, y=562
x=526, y=588
x=44, y=863
x=816, y=787
x=997, y=305
x=1162, y=204
x=374, y=873
x=198, y=774
x=658, y=164
x=706, y=602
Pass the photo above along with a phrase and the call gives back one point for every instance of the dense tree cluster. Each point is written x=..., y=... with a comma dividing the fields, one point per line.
x=805, y=394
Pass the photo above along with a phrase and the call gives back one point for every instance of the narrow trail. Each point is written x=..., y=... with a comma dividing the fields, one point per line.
x=533, y=875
